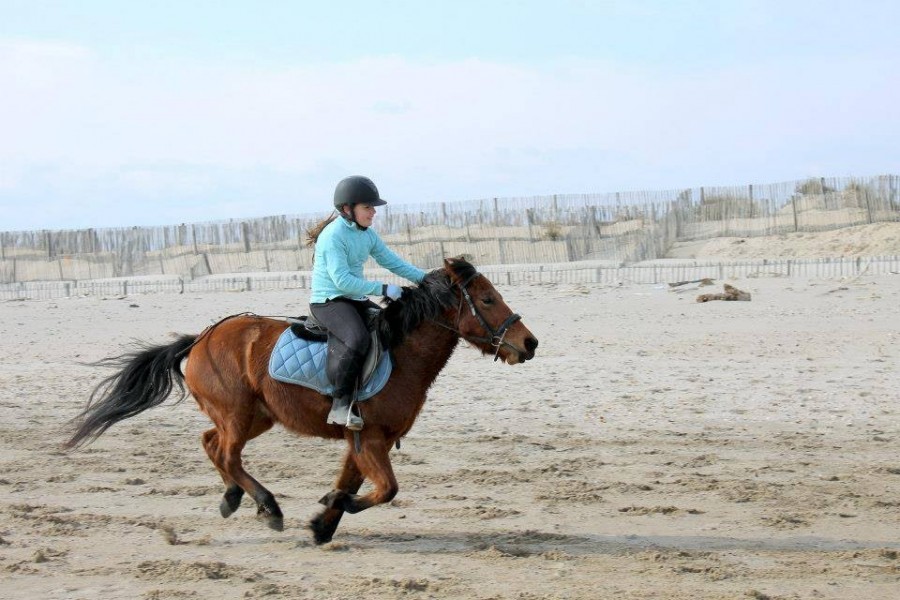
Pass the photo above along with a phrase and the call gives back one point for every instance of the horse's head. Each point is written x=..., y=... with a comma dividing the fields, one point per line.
x=484, y=319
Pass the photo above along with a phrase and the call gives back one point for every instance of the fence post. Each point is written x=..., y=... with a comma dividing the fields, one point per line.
x=794, y=206
x=750, y=188
x=892, y=188
x=496, y=214
x=679, y=217
x=868, y=204
x=245, y=232
x=595, y=222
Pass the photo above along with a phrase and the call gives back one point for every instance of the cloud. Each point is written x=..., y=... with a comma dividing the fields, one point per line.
x=79, y=125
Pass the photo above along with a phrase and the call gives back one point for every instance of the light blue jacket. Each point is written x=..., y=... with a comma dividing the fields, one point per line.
x=341, y=251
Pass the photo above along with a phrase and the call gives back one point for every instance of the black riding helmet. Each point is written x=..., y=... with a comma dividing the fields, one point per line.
x=356, y=190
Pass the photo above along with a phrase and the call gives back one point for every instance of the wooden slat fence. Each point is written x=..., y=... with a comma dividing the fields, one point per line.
x=625, y=227
x=587, y=272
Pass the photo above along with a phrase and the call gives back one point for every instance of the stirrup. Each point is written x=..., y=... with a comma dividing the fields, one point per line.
x=342, y=414
x=354, y=422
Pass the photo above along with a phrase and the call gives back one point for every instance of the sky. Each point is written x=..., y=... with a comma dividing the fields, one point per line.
x=118, y=113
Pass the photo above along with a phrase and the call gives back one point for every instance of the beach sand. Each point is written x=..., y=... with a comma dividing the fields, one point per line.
x=654, y=448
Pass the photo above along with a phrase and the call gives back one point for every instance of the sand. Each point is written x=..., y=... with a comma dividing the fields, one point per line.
x=877, y=239
x=655, y=448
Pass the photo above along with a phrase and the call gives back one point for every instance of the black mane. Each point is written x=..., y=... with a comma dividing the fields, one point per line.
x=422, y=302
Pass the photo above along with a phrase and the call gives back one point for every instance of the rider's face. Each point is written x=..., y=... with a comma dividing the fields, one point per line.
x=364, y=214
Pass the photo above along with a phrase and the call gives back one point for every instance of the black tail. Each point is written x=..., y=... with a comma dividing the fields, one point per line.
x=145, y=380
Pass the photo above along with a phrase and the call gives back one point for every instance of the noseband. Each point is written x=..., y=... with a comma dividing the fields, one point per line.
x=496, y=336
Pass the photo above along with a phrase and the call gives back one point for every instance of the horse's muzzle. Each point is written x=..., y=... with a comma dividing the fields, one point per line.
x=531, y=345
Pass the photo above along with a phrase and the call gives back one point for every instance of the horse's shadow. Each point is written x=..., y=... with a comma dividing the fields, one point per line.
x=536, y=543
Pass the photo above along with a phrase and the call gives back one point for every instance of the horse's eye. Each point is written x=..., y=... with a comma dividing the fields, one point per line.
x=487, y=300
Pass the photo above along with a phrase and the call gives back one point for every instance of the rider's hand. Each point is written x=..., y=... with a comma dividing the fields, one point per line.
x=392, y=291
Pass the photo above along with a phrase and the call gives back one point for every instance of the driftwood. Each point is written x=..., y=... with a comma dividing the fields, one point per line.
x=702, y=282
x=731, y=293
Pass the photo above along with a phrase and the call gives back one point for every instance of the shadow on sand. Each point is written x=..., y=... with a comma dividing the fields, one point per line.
x=530, y=542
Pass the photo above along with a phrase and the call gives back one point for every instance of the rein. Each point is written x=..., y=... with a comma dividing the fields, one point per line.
x=496, y=336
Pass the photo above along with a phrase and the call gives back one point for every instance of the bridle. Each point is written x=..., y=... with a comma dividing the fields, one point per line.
x=495, y=336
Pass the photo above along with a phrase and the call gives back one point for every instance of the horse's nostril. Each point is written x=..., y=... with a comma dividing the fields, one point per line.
x=531, y=344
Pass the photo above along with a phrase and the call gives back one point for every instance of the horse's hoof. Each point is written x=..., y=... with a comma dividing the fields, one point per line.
x=276, y=523
x=272, y=516
x=320, y=534
x=231, y=500
x=225, y=508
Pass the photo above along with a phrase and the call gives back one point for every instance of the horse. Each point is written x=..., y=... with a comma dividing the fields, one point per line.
x=227, y=374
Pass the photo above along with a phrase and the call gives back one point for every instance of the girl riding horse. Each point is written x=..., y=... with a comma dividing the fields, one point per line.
x=338, y=300
x=227, y=374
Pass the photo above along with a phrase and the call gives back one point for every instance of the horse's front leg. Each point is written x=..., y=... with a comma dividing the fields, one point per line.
x=375, y=465
x=349, y=480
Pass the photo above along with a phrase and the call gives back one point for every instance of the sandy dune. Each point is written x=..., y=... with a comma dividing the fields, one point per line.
x=877, y=239
x=655, y=448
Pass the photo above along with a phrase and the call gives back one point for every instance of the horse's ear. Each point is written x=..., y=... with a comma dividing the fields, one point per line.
x=451, y=265
x=458, y=268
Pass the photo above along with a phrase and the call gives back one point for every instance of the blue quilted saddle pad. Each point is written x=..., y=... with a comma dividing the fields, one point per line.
x=295, y=360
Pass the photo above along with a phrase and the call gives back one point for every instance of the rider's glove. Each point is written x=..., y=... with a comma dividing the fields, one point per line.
x=392, y=291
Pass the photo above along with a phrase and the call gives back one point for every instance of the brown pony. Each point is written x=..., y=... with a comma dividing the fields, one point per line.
x=227, y=374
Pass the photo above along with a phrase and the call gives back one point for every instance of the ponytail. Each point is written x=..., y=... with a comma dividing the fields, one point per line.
x=313, y=233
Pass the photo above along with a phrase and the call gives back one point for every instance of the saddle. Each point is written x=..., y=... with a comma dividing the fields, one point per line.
x=308, y=328
x=300, y=357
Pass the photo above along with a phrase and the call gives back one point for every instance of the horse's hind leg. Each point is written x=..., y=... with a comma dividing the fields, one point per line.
x=349, y=481
x=231, y=500
x=232, y=445
x=234, y=491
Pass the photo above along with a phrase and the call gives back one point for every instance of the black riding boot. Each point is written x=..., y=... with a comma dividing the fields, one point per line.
x=343, y=367
x=342, y=413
